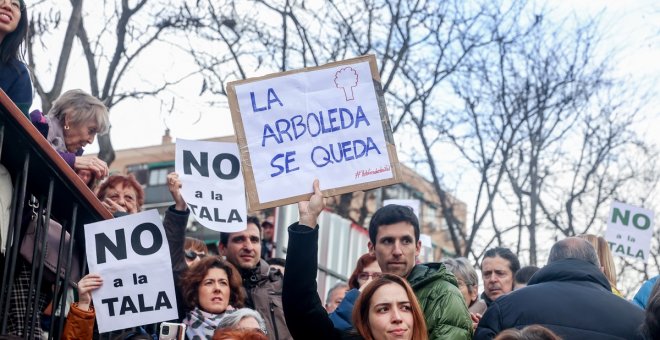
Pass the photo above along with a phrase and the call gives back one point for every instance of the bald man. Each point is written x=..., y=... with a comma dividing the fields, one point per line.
x=570, y=296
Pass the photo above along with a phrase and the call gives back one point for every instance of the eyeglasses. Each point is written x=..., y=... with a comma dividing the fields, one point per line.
x=191, y=255
x=16, y=5
x=365, y=275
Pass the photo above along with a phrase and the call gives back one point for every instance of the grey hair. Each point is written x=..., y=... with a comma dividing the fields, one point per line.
x=232, y=318
x=335, y=287
x=573, y=248
x=80, y=107
x=463, y=270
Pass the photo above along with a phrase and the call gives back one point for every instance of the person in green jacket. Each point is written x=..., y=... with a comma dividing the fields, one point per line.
x=394, y=239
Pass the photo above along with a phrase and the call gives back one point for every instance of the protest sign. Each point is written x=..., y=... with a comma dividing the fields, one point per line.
x=629, y=231
x=132, y=256
x=212, y=183
x=327, y=122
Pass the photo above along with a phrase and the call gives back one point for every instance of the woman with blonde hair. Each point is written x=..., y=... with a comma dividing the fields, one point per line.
x=605, y=258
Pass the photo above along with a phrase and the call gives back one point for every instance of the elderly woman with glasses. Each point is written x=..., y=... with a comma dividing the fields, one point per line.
x=468, y=284
x=366, y=270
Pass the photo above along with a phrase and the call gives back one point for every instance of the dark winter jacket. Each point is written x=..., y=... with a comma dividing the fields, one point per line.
x=15, y=81
x=342, y=316
x=572, y=298
x=175, y=223
x=303, y=309
x=263, y=289
x=443, y=305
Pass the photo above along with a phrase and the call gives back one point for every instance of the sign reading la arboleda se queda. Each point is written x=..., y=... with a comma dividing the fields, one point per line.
x=327, y=122
x=629, y=231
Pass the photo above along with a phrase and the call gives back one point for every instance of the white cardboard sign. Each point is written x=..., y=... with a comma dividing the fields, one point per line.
x=132, y=256
x=629, y=231
x=326, y=122
x=212, y=183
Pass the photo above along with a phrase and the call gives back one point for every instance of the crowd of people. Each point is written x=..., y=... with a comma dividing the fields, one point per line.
x=243, y=292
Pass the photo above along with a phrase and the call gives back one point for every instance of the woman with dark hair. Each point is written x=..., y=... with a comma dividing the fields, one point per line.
x=14, y=75
x=121, y=195
x=209, y=289
x=388, y=309
x=366, y=269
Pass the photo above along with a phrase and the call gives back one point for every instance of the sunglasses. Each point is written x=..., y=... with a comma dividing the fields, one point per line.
x=191, y=255
x=365, y=276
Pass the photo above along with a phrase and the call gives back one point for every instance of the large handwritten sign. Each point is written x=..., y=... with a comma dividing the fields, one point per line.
x=327, y=122
x=132, y=256
x=629, y=231
x=212, y=183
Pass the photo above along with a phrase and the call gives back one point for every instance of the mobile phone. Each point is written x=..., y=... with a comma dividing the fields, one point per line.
x=172, y=331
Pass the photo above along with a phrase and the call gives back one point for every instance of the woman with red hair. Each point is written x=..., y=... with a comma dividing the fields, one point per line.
x=366, y=269
x=121, y=195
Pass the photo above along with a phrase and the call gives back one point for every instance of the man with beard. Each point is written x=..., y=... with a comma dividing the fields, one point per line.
x=263, y=286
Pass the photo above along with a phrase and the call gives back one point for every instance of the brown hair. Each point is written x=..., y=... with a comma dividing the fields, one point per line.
x=126, y=181
x=361, y=308
x=533, y=332
x=238, y=334
x=196, y=245
x=192, y=278
x=604, y=256
x=362, y=262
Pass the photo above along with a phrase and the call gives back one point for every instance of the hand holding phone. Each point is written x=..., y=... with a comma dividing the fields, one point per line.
x=172, y=331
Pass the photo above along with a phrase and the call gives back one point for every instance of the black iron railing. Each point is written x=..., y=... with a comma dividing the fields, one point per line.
x=45, y=185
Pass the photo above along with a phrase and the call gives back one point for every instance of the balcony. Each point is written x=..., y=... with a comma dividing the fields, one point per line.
x=39, y=173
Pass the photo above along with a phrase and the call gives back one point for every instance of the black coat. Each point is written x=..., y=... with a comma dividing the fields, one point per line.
x=303, y=310
x=570, y=297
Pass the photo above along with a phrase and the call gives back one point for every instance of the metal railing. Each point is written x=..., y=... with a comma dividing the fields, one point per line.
x=40, y=177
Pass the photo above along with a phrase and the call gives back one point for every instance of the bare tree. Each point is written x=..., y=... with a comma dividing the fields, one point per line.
x=530, y=99
x=129, y=29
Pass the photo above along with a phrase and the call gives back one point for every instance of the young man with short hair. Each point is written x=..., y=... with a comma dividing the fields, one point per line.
x=263, y=286
x=394, y=239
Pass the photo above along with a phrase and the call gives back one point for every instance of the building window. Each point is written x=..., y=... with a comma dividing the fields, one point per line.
x=158, y=176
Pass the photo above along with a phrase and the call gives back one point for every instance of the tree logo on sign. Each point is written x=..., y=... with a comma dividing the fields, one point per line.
x=346, y=79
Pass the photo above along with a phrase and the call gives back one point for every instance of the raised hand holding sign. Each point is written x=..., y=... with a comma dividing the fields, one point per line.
x=212, y=183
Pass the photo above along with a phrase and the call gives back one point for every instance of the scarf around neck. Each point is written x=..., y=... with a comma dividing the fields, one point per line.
x=201, y=324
